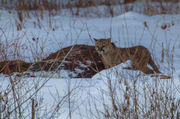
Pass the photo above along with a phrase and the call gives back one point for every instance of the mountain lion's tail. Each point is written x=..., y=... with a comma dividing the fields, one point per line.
x=151, y=62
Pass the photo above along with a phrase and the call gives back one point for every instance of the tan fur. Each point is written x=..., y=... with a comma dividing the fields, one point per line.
x=139, y=55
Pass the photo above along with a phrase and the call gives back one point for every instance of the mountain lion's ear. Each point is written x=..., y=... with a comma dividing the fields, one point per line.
x=109, y=39
x=95, y=39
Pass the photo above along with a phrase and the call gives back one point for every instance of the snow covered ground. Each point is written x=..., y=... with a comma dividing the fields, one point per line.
x=38, y=38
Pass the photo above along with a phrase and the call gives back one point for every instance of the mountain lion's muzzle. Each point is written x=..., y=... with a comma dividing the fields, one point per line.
x=100, y=49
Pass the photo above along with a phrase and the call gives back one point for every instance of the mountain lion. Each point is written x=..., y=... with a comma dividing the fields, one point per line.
x=139, y=55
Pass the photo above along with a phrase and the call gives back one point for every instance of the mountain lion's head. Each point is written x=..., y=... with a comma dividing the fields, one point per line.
x=103, y=46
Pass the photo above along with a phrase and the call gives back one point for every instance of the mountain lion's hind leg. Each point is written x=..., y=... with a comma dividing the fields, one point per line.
x=142, y=64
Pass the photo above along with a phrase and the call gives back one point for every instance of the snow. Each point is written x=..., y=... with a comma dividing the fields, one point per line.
x=126, y=30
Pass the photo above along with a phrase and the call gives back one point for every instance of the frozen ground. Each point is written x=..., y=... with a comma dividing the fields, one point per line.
x=158, y=33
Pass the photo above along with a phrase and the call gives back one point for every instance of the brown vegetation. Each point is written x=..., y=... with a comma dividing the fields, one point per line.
x=8, y=67
x=80, y=57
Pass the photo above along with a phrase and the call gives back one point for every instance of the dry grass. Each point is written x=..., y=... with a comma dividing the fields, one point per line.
x=129, y=99
x=85, y=8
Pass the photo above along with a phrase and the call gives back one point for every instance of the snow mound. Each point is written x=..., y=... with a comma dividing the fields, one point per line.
x=117, y=72
x=133, y=16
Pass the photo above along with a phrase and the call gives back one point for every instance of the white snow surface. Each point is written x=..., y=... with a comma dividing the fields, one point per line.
x=126, y=30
